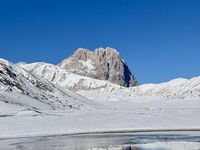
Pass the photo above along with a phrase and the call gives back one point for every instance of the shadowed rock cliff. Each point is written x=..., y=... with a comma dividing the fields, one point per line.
x=103, y=64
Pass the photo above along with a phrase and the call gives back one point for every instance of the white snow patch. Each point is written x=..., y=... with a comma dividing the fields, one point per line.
x=88, y=64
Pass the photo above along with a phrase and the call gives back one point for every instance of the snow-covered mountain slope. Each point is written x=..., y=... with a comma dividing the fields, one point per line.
x=103, y=90
x=21, y=90
x=65, y=78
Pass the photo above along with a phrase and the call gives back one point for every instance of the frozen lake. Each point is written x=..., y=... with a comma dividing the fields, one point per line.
x=171, y=140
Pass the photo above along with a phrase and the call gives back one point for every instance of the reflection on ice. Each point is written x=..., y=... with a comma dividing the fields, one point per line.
x=154, y=146
x=128, y=147
x=173, y=145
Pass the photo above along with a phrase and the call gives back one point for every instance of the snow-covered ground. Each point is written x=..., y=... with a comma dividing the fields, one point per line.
x=33, y=106
x=140, y=114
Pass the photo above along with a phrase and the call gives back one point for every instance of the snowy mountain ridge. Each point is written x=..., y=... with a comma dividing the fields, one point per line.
x=20, y=87
x=104, y=90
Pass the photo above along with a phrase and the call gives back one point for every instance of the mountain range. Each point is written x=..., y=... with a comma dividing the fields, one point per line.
x=70, y=85
x=103, y=90
x=68, y=95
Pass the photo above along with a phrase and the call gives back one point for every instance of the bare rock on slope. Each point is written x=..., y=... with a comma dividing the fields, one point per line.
x=103, y=64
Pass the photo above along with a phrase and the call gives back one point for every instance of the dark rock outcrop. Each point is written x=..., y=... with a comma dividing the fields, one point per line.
x=103, y=64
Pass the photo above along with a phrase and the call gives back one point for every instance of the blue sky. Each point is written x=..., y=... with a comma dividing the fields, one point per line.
x=159, y=39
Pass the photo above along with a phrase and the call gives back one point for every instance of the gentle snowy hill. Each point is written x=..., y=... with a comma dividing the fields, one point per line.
x=24, y=90
x=103, y=90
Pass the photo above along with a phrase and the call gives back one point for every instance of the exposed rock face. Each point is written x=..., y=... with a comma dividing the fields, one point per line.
x=103, y=64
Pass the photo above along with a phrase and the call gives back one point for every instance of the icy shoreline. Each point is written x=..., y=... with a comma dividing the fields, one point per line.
x=117, y=141
x=146, y=131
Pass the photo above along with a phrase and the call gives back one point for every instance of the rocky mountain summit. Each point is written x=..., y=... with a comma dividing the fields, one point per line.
x=103, y=64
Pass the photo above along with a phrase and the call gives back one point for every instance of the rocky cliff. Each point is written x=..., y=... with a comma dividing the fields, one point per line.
x=103, y=64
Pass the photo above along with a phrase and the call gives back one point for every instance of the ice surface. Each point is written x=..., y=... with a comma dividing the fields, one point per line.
x=178, y=140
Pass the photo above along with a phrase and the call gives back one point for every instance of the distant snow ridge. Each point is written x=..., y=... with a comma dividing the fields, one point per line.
x=67, y=79
x=103, y=90
x=103, y=64
x=19, y=87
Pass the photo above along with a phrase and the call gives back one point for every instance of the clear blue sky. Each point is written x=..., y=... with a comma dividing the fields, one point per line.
x=159, y=39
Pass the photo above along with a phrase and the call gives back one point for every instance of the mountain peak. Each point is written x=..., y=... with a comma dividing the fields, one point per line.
x=80, y=50
x=82, y=54
x=103, y=64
